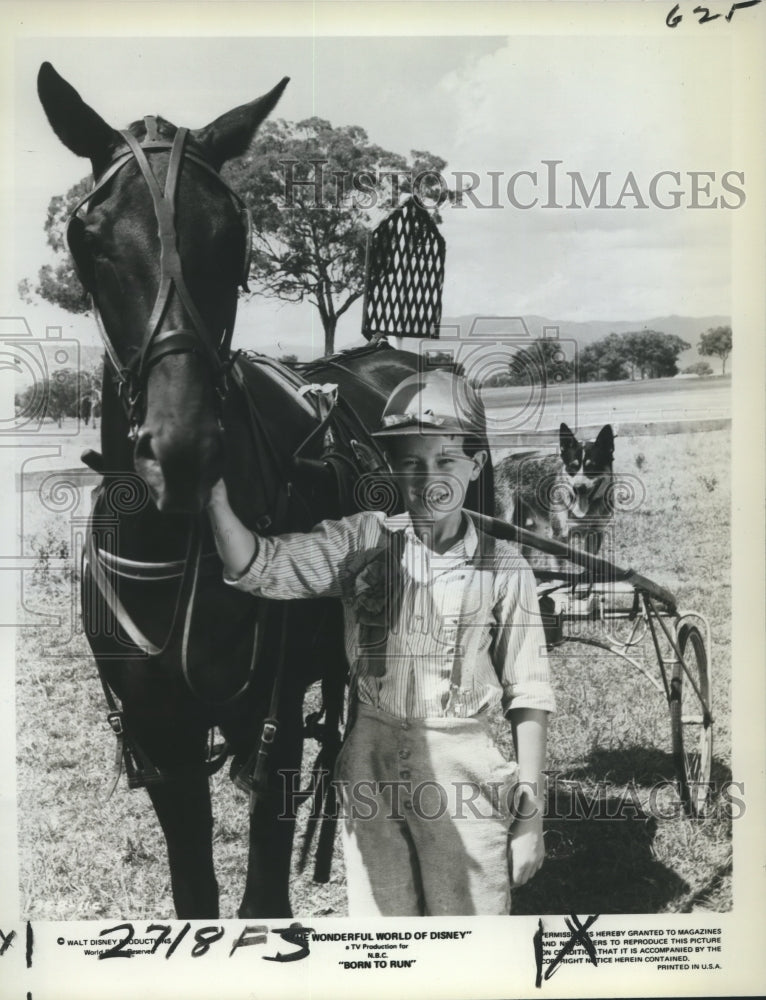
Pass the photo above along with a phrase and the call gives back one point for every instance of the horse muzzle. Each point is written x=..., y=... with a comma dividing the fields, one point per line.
x=179, y=473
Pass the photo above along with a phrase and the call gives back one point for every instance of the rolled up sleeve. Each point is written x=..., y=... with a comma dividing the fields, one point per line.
x=519, y=651
x=307, y=564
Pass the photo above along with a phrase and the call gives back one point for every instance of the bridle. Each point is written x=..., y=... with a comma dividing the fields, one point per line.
x=157, y=342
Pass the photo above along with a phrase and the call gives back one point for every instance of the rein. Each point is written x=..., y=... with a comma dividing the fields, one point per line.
x=107, y=567
x=156, y=344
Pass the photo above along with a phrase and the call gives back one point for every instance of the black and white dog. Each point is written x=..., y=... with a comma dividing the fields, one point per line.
x=567, y=497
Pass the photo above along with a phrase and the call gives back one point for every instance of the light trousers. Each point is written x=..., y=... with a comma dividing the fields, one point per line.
x=426, y=808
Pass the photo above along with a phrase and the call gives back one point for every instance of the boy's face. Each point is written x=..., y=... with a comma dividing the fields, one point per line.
x=433, y=473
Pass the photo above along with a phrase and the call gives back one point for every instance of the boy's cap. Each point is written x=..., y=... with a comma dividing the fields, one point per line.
x=435, y=402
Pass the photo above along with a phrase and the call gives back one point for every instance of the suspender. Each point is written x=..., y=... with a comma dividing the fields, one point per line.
x=373, y=638
x=483, y=557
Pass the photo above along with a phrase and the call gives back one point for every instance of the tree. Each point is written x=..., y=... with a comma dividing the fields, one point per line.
x=653, y=354
x=698, y=368
x=60, y=396
x=716, y=341
x=604, y=360
x=540, y=363
x=315, y=191
x=640, y=354
x=58, y=283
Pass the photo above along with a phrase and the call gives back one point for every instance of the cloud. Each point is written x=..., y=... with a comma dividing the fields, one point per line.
x=603, y=104
x=595, y=103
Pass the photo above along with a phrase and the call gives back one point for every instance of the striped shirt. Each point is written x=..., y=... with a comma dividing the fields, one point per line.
x=485, y=614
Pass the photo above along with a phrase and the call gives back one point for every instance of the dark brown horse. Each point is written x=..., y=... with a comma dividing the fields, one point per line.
x=161, y=245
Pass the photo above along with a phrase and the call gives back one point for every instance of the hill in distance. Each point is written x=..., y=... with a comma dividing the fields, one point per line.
x=688, y=328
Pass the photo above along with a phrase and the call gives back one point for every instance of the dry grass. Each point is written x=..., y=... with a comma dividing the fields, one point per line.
x=85, y=856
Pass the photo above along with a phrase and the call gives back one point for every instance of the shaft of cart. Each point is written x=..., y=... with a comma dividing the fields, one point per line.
x=605, y=592
x=596, y=569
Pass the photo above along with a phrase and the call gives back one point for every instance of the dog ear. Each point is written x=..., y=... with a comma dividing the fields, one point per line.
x=605, y=440
x=567, y=443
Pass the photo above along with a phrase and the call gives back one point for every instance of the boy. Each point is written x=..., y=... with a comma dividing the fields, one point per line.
x=441, y=623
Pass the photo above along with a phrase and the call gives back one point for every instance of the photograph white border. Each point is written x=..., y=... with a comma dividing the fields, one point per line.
x=496, y=959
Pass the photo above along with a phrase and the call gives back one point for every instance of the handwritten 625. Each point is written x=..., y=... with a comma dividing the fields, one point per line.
x=674, y=18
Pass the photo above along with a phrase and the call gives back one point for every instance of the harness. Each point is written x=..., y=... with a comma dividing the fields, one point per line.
x=346, y=453
x=157, y=342
x=343, y=435
x=130, y=378
x=193, y=337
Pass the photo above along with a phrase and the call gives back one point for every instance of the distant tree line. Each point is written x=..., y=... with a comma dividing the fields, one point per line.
x=643, y=354
x=60, y=395
x=640, y=355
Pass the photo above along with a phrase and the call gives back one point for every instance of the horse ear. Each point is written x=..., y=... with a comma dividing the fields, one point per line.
x=231, y=134
x=78, y=126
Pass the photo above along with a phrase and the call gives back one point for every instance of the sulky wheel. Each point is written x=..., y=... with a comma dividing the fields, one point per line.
x=691, y=720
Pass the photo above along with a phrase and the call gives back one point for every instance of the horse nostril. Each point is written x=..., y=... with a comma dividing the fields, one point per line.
x=144, y=447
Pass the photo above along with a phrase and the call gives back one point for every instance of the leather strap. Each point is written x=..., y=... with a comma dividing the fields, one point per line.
x=373, y=639
x=186, y=590
x=484, y=555
x=158, y=343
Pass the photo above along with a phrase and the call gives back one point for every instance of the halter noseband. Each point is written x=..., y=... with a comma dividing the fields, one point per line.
x=158, y=343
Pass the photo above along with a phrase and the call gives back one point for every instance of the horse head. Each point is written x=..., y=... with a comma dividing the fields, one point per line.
x=161, y=244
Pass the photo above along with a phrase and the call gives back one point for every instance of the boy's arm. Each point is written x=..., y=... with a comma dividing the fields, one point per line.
x=290, y=566
x=236, y=544
x=521, y=662
x=519, y=651
x=526, y=847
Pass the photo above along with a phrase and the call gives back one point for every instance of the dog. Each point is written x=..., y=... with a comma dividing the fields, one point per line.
x=567, y=497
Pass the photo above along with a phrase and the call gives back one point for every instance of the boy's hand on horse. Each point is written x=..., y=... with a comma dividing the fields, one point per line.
x=235, y=543
x=218, y=495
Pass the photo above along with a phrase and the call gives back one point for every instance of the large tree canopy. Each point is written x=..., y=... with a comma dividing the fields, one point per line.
x=59, y=397
x=58, y=283
x=716, y=342
x=637, y=355
x=652, y=354
x=315, y=191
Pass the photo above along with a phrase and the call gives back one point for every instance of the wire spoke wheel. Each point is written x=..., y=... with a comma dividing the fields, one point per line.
x=691, y=720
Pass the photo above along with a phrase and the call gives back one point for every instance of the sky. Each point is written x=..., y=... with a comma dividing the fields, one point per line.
x=616, y=104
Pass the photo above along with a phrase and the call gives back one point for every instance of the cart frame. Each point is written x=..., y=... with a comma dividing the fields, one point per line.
x=680, y=640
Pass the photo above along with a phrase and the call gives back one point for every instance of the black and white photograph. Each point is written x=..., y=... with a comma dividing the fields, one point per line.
x=383, y=433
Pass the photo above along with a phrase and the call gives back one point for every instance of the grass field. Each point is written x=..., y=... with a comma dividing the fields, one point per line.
x=85, y=856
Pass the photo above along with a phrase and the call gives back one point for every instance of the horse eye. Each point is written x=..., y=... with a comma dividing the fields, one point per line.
x=92, y=243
